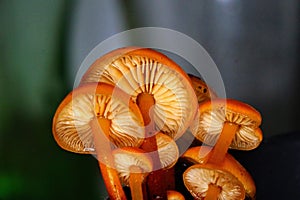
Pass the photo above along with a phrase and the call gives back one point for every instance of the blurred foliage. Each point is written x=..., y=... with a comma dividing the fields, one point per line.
x=32, y=166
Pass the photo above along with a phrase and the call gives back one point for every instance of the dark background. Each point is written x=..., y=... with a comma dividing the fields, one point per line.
x=255, y=45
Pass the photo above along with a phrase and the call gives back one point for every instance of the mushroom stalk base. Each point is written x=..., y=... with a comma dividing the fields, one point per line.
x=136, y=180
x=100, y=128
x=221, y=147
x=213, y=192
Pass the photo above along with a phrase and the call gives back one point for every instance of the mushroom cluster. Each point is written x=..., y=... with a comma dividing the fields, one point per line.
x=130, y=110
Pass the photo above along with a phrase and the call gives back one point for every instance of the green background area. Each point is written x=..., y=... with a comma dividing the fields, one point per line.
x=32, y=84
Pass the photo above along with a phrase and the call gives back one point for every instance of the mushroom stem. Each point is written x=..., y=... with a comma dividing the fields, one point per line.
x=100, y=128
x=156, y=181
x=136, y=180
x=213, y=192
x=221, y=147
x=146, y=102
x=218, y=154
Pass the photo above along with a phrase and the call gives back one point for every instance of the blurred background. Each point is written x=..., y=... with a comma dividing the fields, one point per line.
x=255, y=45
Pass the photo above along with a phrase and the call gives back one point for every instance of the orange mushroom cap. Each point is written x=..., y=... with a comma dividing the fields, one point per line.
x=174, y=195
x=126, y=157
x=71, y=122
x=212, y=114
x=203, y=92
x=141, y=70
x=200, y=155
x=199, y=177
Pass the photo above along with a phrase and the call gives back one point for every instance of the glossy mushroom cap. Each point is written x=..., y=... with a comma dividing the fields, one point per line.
x=127, y=157
x=197, y=179
x=140, y=70
x=200, y=155
x=212, y=114
x=71, y=123
x=203, y=92
x=174, y=195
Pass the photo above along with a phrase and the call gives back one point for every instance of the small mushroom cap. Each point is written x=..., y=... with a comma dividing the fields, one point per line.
x=203, y=92
x=71, y=123
x=140, y=70
x=127, y=157
x=212, y=114
x=200, y=155
x=167, y=150
x=174, y=195
x=197, y=179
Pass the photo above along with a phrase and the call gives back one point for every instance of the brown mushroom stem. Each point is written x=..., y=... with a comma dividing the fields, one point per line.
x=213, y=192
x=157, y=185
x=159, y=182
x=221, y=147
x=100, y=128
x=136, y=180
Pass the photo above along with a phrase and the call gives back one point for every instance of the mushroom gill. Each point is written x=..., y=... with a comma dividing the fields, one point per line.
x=126, y=157
x=136, y=74
x=167, y=150
x=200, y=155
x=73, y=130
x=197, y=179
x=209, y=125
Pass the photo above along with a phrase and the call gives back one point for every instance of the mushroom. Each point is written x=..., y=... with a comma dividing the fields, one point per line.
x=155, y=82
x=161, y=89
x=227, y=123
x=168, y=154
x=203, y=92
x=133, y=165
x=210, y=181
x=92, y=119
x=174, y=195
x=200, y=155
